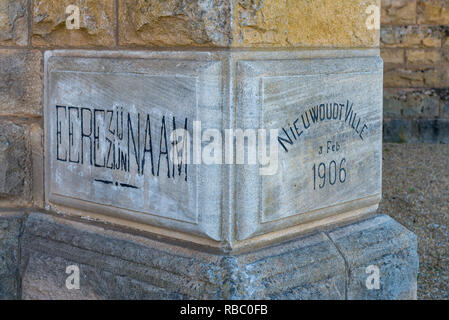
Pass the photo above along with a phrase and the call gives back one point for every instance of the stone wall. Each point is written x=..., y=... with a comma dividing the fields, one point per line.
x=415, y=49
x=36, y=249
x=32, y=243
x=414, y=42
x=29, y=28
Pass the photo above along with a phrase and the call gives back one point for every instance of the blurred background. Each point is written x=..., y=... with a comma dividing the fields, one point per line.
x=415, y=50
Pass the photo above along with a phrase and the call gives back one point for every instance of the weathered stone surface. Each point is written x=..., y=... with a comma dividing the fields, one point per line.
x=306, y=268
x=108, y=261
x=398, y=12
x=433, y=130
x=119, y=266
x=410, y=37
x=433, y=12
x=175, y=22
x=320, y=23
x=385, y=244
x=400, y=131
x=37, y=159
x=416, y=131
x=393, y=56
x=401, y=77
x=13, y=22
x=10, y=233
x=97, y=23
x=415, y=77
x=116, y=265
x=242, y=23
x=411, y=103
x=15, y=162
x=20, y=82
x=420, y=57
x=444, y=94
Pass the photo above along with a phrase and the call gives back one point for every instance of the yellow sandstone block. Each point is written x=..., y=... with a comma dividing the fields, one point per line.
x=250, y=23
x=96, y=23
x=304, y=23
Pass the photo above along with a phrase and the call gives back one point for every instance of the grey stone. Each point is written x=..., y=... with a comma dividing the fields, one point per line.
x=10, y=233
x=344, y=96
x=444, y=95
x=117, y=265
x=15, y=162
x=383, y=243
x=433, y=130
x=411, y=103
x=416, y=130
x=224, y=90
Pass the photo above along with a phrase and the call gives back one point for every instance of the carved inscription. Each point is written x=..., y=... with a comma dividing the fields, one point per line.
x=319, y=113
x=117, y=140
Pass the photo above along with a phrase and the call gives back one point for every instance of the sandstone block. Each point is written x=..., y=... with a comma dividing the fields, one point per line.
x=398, y=12
x=413, y=77
x=393, y=56
x=411, y=103
x=400, y=131
x=96, y=23
x=13, y=22
x=433, y=12
x=410, y=37
x=15, y=162
x=276, y=23
x=242, y=23
x=416, y=131
x=433, y=130
x=116, y=265
x=401, y=77
x=10, y=232
x=420, y=56
x=384, y=245
x=21, y=82
x=175, y=23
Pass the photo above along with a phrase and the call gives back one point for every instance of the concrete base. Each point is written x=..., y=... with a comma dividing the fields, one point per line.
x=115, y=265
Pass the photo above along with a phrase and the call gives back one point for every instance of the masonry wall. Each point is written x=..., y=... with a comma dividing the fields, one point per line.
x=30, y=27
x=415, y=49
x=414, y=42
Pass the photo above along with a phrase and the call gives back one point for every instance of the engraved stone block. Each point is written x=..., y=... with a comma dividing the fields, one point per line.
x=108, y=127
x=329, y=116
x=110, y=120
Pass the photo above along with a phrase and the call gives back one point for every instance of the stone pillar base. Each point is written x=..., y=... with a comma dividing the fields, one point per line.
x=333, y=264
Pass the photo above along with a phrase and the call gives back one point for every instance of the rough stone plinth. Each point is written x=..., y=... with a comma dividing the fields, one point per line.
x=115, y=265
x=15, y=162
x=10, y=233
x=13, y=22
